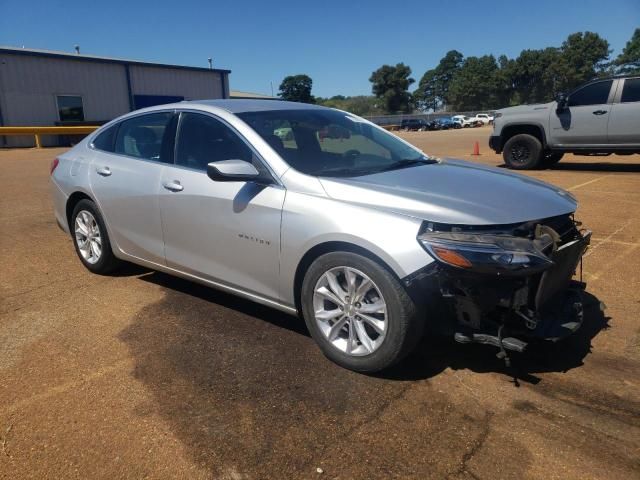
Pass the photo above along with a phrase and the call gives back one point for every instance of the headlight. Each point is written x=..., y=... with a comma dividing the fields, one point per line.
x=497, y=115
x=488, y=253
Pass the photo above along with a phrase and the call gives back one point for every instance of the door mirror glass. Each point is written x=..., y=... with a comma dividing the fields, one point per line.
x=232, y=171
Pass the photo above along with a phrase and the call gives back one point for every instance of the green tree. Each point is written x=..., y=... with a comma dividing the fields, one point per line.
x=297, y=88
x=535, y=76
x=473, y=86
x=391, y=85
x=433, y=89
x=628, y=62
x=582, y=56
x=359, y=105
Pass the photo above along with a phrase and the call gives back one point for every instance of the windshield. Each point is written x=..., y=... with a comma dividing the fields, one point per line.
x=331, y=143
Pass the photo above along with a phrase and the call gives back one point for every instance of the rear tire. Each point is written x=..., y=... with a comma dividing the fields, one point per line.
x=522, y=152
x=378, y=343
x=91, y=239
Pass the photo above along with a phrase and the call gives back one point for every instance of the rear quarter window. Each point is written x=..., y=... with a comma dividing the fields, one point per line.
x=105, y=140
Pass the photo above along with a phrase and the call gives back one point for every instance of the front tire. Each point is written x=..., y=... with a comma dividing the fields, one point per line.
x=551, y=158
x=522, y=152
x=358, y=313
x=91, y=239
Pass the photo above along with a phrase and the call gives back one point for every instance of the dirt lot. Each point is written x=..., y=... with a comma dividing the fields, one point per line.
x=143, y=375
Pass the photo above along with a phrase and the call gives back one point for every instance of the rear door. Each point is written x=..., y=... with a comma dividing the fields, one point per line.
x=584, y=121
x=228, y=232
x=125, y=177
x=624, y=124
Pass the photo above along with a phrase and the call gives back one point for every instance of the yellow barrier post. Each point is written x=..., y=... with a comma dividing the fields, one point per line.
x=37, y=132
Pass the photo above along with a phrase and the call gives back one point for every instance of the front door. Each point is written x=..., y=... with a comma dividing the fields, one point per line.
x=584, y=120
x=125, y=176
x=228, y=232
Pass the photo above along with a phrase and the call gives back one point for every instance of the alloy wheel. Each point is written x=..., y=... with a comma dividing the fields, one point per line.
x=350, y=311
x=520, y=152
x=88, y=236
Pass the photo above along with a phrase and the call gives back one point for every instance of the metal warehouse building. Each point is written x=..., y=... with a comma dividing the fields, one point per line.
x=40, y=87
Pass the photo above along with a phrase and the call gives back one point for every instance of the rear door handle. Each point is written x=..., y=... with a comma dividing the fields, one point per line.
x=599, y=112
x=173, y=186
x=104, y=171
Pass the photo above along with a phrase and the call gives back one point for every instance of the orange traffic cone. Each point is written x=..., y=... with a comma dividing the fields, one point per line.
x=476, y=149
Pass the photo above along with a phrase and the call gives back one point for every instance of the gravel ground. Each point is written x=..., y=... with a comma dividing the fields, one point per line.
x=142, y=375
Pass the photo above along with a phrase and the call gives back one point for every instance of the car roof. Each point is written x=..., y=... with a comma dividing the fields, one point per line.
x=251, y=105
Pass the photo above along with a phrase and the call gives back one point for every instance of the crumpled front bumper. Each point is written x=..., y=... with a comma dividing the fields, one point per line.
x=508, y=312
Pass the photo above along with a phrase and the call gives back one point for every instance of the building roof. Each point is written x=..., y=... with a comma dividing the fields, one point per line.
x=241, y=94
x=94, y=58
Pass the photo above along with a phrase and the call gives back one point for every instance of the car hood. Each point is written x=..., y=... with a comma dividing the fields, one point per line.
x=454, y=192
x=526, y=108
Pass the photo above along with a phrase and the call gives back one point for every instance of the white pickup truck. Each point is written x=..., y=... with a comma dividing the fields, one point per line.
x=600, y=117
x=485, y=118
x=464, y=121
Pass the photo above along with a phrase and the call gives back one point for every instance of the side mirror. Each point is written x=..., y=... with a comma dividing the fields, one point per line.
x=232, y=171
x=562, y=100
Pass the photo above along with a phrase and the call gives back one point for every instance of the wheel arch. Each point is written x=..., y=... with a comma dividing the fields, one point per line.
x=327, y=247
x=72, y=201
x=533, y=129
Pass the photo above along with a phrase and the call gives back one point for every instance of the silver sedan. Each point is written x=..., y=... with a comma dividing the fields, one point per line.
x=339, y=221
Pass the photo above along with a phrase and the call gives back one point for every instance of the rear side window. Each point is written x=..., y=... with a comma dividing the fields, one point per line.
x=594, y=94
x=631, y=90
x=106, y=139
x=142, y=137
x=203, y=139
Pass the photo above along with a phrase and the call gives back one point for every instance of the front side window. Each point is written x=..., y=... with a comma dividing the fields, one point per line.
x=594, y=94
x=203, y=139
x=631, y=90
x=70, y=108
x=142, y=136
x=332, y=143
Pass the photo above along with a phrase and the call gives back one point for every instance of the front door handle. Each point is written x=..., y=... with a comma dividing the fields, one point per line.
x=104, y=171
x=599, y=112
x=173, y=186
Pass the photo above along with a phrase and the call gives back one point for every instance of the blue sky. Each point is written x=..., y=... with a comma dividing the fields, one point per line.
x=337, y=43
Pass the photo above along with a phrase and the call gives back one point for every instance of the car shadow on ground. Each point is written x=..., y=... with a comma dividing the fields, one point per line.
x=592, y=167
x=614, y=167
x=245, y=388
x=434, y=353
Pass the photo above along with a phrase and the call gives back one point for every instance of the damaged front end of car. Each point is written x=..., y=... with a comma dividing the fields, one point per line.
x=507, y=284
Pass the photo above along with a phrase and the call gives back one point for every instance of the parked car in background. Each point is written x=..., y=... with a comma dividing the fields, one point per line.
x=600, y=117
x=363, y=235
x=484, y=118
x=464, y=121
x=445, y=123
x=414, y=124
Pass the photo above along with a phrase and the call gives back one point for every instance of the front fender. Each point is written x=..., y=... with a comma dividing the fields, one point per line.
x=309, y=221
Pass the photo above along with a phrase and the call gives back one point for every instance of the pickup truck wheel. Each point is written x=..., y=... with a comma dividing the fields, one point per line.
x=551, y=158
x=358, y=313
x=522, y=152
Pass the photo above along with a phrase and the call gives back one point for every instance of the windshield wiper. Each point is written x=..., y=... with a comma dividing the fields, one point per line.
x=408, y=162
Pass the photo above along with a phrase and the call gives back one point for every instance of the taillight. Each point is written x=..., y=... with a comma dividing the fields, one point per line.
x=54, y=164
